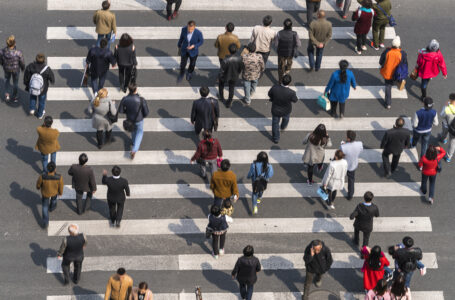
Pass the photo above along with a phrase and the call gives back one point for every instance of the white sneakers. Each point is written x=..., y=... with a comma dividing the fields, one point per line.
x=423, y=271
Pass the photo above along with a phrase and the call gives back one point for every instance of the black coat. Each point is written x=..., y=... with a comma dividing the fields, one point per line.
x=282, y=98
x=319, y=263
x=395, y=140
x=407, y=258
x=99, y=60
x=130, y=106
x=231, y=68
x=83, y=178
x=246, y=268
x=202, y=113
x=364, y=215
x=34, y=67
x=116, y=189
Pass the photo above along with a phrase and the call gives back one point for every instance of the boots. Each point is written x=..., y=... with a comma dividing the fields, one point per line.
x=108, y=137
x=99, y=138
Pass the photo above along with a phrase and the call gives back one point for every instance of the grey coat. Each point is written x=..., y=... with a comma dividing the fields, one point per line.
x=314, y=154
x=99, y=120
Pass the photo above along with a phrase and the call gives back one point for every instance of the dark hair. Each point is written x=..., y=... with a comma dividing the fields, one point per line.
x=51, y=167
x=208, y=139
x=374, y=259
x=251, y=47
x=452, y=96
x=286, y=79
x=431, y=153
x=225, y=165
x=381, y=287
x=339, y=154
x=191, y=23
x=267, y=20
x=105, y=5
x=368, y=196
x=48, y=121
x=351, y=135
x=367, y=3
x=215, y=210
x=230, y=27
x=232, y=48
x=408, y=241
x=143, y=285
x=344, y=64
x=103, y=43
x=248, y=251
x=116, y=170
x=264, y=159
x=319, y=136
x=125, y=40
x=83, y=159
x=227, y=203
x=399, y=123
x=399, y=285
x=204, y=91
x=121, y=271
x=40, y=58
x=315, y=243
x=391, y=250
x=287, y=24
x=132, y=88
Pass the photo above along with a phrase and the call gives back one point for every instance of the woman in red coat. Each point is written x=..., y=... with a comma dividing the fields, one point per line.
x=373, y=267
x=364, y=16
x=429, y=166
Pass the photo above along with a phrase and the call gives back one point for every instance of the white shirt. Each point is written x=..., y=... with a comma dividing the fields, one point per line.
x=189, y=36
x=352, y=152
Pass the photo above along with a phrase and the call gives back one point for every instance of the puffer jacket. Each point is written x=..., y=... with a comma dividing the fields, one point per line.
x=430, y=63
x=12, y=60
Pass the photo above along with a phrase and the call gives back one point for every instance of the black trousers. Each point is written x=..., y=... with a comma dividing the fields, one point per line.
x=361, y=41
x=115, y=211
x=332, y=196
x=184, y=61
x=79, y=202
x=77, y=269
x=366, y=237
x=218, y=242
x=351, y=179
x=309, y=277
x=311, y=8
x=265, y=56
x=386, y=162
x=311, y=170
x=231, y=84
x=99, y=137
x=333, y=108
x=169, y=6
x=124, y=76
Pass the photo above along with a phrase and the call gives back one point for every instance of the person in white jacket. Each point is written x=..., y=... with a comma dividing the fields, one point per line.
x=334, y=177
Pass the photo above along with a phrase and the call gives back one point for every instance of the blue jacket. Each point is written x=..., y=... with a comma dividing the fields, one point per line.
x=425, y=120
x=255, y=173
x=197, y=40
x=339, y=91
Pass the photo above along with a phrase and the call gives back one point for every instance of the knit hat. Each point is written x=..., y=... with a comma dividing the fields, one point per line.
x=396, y=43
x=433, y=46
x=428, y=102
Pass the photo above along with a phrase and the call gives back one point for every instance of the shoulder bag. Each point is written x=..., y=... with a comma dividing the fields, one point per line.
x=324, y=102
x=130, y=125
x=260, y=183
x=391, y=18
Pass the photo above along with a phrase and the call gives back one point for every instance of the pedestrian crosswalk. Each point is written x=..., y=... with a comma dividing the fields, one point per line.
x=175, y=196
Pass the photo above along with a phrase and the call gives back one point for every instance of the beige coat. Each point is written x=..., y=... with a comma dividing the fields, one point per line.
x=105, y=22
x=262, y=36
x=335, y=174
x=47, y=142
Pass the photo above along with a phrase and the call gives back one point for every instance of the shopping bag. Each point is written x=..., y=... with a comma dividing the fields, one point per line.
x=324, y=102
x=322, y=193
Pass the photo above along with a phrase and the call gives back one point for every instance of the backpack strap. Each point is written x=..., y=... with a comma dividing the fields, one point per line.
x=44, y=69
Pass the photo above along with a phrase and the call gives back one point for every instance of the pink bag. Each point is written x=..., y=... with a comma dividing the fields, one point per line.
x=218, y=161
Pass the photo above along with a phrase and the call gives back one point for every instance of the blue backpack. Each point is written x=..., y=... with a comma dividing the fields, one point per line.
x=401, y=72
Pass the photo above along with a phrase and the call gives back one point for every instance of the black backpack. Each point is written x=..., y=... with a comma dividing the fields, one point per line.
x=260, y=183
x=409, y=262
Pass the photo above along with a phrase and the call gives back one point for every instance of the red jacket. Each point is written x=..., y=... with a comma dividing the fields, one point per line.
x=429, y=166
x=364, y=17
x=202, y=151
x=429, y=64
x=370, y=276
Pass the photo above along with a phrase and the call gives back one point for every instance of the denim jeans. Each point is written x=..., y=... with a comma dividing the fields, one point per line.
x=246, y=290
x=208, y=163
x=137, y=135
x=249, y=86
x=276, y=126
x=423, y=186
x=319, y=52
x=8, y=76
x=425, y=141
x=424, y=85
x=47, y=207
x=351, y=180
x=388, y=92
x=98, y=82
x=45, y=160
x=41, y=104
x=104, y=36
x=255, y=198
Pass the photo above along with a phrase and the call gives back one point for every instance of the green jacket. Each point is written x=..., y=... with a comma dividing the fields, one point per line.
x=386, y=6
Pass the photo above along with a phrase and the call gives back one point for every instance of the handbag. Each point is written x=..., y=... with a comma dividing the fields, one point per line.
x=215, y=119
x=208, y=232
x=414, y=74
x=130, y=125
x=111, y=117
x=322, y=193
x=218, y=162
x=391, y=18
x=324, y=102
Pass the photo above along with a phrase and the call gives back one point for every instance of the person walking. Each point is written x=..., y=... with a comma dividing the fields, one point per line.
x=72, y=251
x=119, y=286
x=382, y=9
x=106, y=24
x=207, y=153
x=351, y=149
x=333, y=179
x=169, y=14
x=408, y=260
x=125, y=56
x=312, y=7
x=230, y=69
x=47, y=143
x=320, y=33
x=37, y=77
x=345, y=7
x=99, y=58
x=399, y=290
x=286, y=42
x=224, y=184
x=429, y=164
x=282, y=98
x=363, y=17
x=447, y=116
x=260, y=173
x=430, y=62
x=205, y=112
x=422, y=122
x=339, y=87
x=314, y=154
x=393, y=142
x=318, y=260
x=253, y=67
x=389, y=61
x=117, y=187
x=245, y=271
x=373, y=266
x=380, y=292
x=83, y=181
x=363, y=215
x=51, y=185
x=223, y=41
x=189, y=42
x=218, y=224
x=262, y=37
x=142, y=292
x=99, y=107
x=12, y=61
x=135, y=108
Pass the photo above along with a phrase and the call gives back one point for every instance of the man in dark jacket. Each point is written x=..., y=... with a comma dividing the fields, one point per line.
x=189, y=42
x=318, y=260
x=12, y=61
x=363, y=215
x=83, y=182
x=245, y=271
x=136, y=109
x=281, y=97
x=72, y=250
x=287, y=42
x=99, y=58
x=38, y=91
x=408, y=259
x=51, y=185
x=117, y=187
x=422, y=122
x=394, y=142
x=205, y=112
x=230, y=69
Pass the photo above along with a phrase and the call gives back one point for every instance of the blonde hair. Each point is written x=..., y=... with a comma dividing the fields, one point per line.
x=101, y=94
x=11, y=41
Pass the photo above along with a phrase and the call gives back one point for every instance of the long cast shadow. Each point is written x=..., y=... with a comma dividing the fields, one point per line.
x=28, y=198
x=27, y=154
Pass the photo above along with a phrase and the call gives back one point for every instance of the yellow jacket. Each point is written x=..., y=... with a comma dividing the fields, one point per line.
x=105, y=22
x=118, y=289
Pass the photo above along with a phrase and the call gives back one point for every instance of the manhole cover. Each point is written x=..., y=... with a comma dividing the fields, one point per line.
x=323, y=295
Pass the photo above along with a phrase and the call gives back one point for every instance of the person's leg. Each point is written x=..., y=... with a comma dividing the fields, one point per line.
x=98, y=40
x=285, y=121
x=102, y=80
x=249, y=291
x=99, y=138
x=265, y=57
x=432, y=180
x=247, y=90
x=309, y=11
x=177, y=5
x=395, y=161
x=203, y=169
x=88, y=201
x=451, y=146
x=388, y=92
x=139, y=133
x=54, y=157
x=215, y=241
x=94, y=83
x=288, y=65
x=222, y=240
x=444, y=133
x=386, y=163
x=45, y=210
x=415, y=138
x=169, y=8
x=192, y=64
x=310, y=173
x=183, y=62
x=231, y=89
x=333, y=108
x=382, y=31
x=79, y=206
x=356, y=236
x=254, y=200
x=351, y=179
x=218, y=201
x=347, y=5
x=310, y=52
x=108, y=136
x=119, y=216
x=53, y=203
x=332, y=196
x=366, y=238
x=254, y=84
x=281, y=67
x=359, y=42
x=425, y=141
x=308, y=281
x=112, y=211
x=408, y=277
x=375, y=28
x=7, y=85
x=44, y=161
x=423, y=87
x=15, y=84
x=364, y=38
x=66, y=270
x=121, y=76
x=77, y=271
x=243, y=290
x=342, y=106
x=221, y=89
x=275, y=128
x=32, y=104
x=319, y=53
x=41, y=105
x=423, y=184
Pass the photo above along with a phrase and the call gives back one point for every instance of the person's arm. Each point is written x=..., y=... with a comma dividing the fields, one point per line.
x=258, y=266
x=237, y=43
x=328, y=36
x=269, y=171
x=442, y=65
x=330, y=83
x=95, y=17
x=51, y=75
x=193, y=113
x=235, y=271
x=251, y=171
x=328, y=257
x=234, y=188
x=104, y=179
x=441, y=153
x=376, y=212
x=298, y=43
x=270, y=94
x=198, y=153
x=21, y=61
x=262, y=64
x=313, y=40
x=415, y=120
x=182, y=37
x=383, y=57
x=127, y=188
x=407, y=142
x=217, y=42
x=354, y=214
x=114, y=24
x=353, y=82
x=27, y=76
x=212, y=184
x=145, y=108
x=328, y=175
x=383, y=141
x=70, y=171
x=308, y=255
x=219, y=150
x=62, y=248
x=200, y=40
x=92, y=182
x=217, y=109
x=107, y=295
x=294, y=98
x=60, y=186
x=275, y=41
x=39, y=182
x=435, y=120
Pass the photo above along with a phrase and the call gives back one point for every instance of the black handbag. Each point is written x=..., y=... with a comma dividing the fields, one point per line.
x=260, y=183
x=130, y=125
x=111, y=117
x=208, y=232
